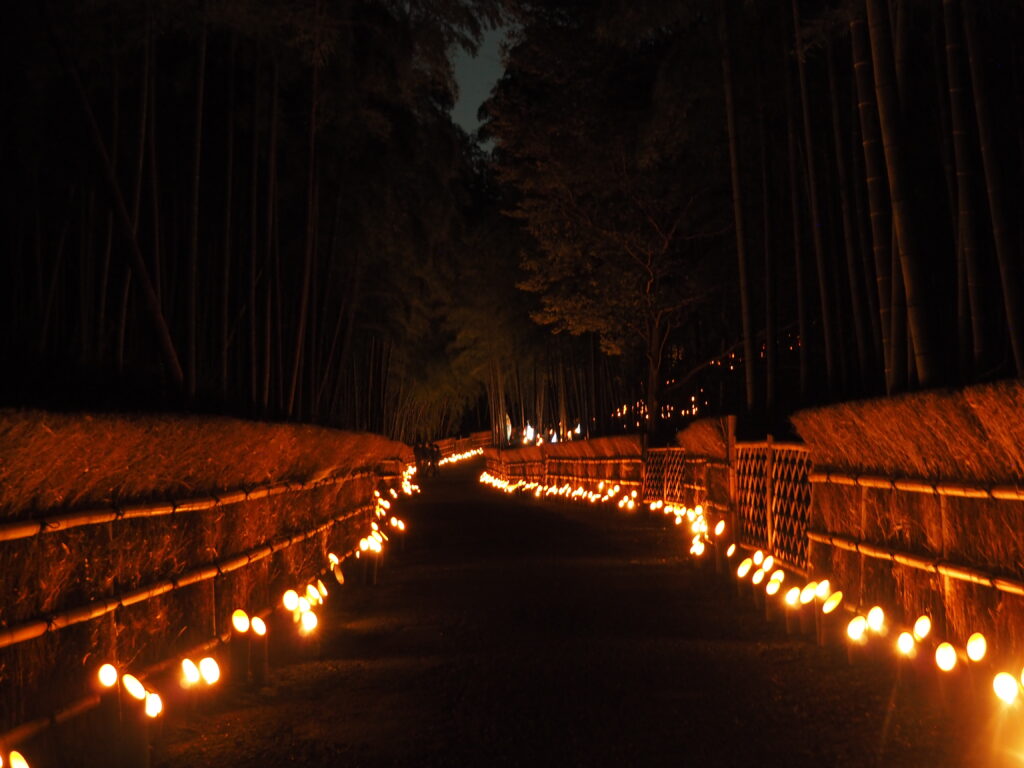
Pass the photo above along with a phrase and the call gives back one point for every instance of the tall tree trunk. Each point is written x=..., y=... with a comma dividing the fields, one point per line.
x=966, y=226
x=877, y=187
x=271, y=208
x=769, y=270
x=842, y=181
x=229, y=162
x=737, y=208
x=816, y=223
x=798, y=261
x=864, y=242
x=191, y=321
x=911, y=259
x=307, y=264
x=1009, y=261
x=152, y=303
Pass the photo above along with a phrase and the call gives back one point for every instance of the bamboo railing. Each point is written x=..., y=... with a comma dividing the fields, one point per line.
x=919, y=562
x=20, y=633
x=1002, y=492
x=25, y=529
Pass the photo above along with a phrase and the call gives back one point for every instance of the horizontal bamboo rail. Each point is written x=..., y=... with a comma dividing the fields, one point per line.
x=930, y=564
x=774, y=446
x=30, y=630
x=1002, y=492
x=580, y=479
x=24, y=529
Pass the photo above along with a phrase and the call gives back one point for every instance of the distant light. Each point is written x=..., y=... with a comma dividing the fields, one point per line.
x=905, y=643
x=824, y=589
x=189, y=673
x=134, y=687
x=240, y=621
x=290, y=600
x=321, y=588
x=876, y=618
x=807, y=593
x=719, y=527
x=793, y=596
x=107, y=676
x=856, y=628
x=209, y=669
x=731, y=550
x=313, y=595
x=922, y=627
x=154, y=705
x=977, y=647
x=259, y=627
x=1005, y=686
x=945, y=657
x=745, y=567
x=832, y=602
x=333, y=559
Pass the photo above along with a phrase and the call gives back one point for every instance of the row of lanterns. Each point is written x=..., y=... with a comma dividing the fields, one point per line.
x=605, y=493
x=206, y=671
x=457, y=457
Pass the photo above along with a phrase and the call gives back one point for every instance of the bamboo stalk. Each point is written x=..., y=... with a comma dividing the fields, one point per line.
x=30, y=630
x=934, y=565
x=24, y=529
x=1004, y=492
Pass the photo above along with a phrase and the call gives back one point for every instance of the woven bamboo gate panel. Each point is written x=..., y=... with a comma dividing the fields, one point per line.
x=752, y=493
x=791, y=502
x=654, y=475
x=774, y=498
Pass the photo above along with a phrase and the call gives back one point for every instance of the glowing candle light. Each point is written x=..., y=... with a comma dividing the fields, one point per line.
x=905, y=643
x=832, y=602
x=259, y=627
x=758, y=576
x=922, y=627
x=240, y=621
x=321, y=588
x=758, y=557
x=778, y=575
x=303, y=606
x=134, y=687
x=977, y=647
x=209, y=669
x=824, y=589
x=856, y=628
x=313, y=595
x=333, y=559
x=154, y=705
x=290, y=600
x=876, y=619
x=1005, y=686
x=17, y=760
x=773, y=586
x=107, y=675
x=793, y=596
x=768, y=563
x=189, y=673
x=807, y=593
x=719, y=527
x=945, y=657
x=745, y=567
x=309, y=622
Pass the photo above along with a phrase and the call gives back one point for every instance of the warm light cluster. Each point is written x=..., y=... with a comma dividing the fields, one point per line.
x=700, y=529
x=108, y=677
x=457, y=457
x=604, y=493
x=408, y=486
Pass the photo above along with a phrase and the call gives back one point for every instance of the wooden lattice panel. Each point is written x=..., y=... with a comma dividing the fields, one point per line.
x=654, y=475
x=752, y=494
x=791, y=503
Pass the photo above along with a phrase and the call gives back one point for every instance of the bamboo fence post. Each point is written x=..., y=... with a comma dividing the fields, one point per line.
x=769, y=494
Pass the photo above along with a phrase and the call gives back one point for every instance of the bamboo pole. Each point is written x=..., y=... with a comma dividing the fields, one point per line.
x=24, y=529
x=934, y=565
x=30, y=630
x=1000, y=492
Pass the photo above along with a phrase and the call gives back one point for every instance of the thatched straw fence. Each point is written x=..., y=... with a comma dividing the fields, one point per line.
x=611, y=459
x=132, y=539
x=918, y=504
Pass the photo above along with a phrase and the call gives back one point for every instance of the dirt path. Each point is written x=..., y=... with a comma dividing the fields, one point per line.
x=510, y=633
